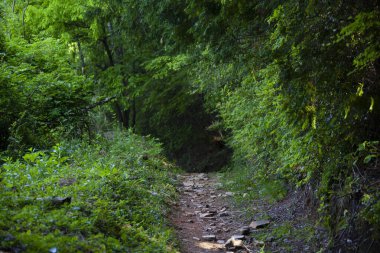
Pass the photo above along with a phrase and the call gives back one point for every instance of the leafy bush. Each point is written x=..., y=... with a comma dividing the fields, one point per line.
x=109, y=196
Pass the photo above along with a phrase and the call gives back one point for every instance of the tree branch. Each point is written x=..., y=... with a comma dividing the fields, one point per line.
x=99, y=103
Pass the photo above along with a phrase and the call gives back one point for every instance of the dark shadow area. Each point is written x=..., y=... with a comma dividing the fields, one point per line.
x=208, y=154
x=186, y=136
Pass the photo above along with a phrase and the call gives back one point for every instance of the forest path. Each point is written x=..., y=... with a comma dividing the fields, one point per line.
x=203, y=218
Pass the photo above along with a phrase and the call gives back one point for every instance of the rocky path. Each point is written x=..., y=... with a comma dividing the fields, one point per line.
x=203, y=219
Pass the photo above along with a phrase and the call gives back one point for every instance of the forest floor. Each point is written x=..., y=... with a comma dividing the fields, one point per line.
x=207, y=220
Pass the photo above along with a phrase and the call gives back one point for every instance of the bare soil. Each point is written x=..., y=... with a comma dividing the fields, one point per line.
x=203, y=211
x=205, y=218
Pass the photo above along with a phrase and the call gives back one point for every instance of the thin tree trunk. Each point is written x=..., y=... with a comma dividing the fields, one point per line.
x=122, y=115
x=108, y=51
x=81, y=56
x=23, y=19
x=134, y=113
x=13, y=6
x=126, y=118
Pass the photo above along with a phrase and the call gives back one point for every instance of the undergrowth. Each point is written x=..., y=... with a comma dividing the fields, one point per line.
x=110, y=196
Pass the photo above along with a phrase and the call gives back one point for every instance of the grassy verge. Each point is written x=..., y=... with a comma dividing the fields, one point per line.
x=111, y=196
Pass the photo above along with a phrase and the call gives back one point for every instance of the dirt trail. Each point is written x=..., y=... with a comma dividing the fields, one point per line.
x=203, y=219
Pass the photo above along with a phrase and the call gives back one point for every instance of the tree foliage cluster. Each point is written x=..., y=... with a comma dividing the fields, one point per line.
x=291, y=86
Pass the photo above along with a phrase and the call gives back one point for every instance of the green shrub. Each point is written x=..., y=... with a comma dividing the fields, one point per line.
x=107, y=197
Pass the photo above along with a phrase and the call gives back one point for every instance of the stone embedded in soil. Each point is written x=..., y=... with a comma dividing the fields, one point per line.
x=60, y=200
x=224, y=214
x=209, y=238
x=237, y=243
x=233, y=243
x=196, y=238
x=207, y=215
x=188, y=183
x=244, y=230
x=220, y=241
x=238, y=237
x=259, y=224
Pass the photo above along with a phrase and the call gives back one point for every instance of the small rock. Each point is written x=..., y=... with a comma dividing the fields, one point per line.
x=232, y=242
x=259, y=224
x=188, y=183
x=209, y=238
x=220, y=241
x=190, y=221
x=238, y=237
x=53, y=250
x=224, y=214
x=60, y=200
x=196, y=238
x=229, y=194
x=208, y=214
x=244, y=230
x=237, y=243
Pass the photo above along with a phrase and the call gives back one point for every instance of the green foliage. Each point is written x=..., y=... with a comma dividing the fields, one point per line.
x=299, y=99
x=362, y=34
x=119, y=191
x=291, y=86
x=42, y=97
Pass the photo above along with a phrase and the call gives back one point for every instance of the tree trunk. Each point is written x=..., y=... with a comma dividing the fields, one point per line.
x=108, y=51
x=13, y=6
x=23, y=19
x=133, y=113
x=122, y=115
x=81, y=56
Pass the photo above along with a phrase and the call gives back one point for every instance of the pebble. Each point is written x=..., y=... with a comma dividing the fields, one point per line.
x=244, y=230
x=259, y=224
x=209, y=237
